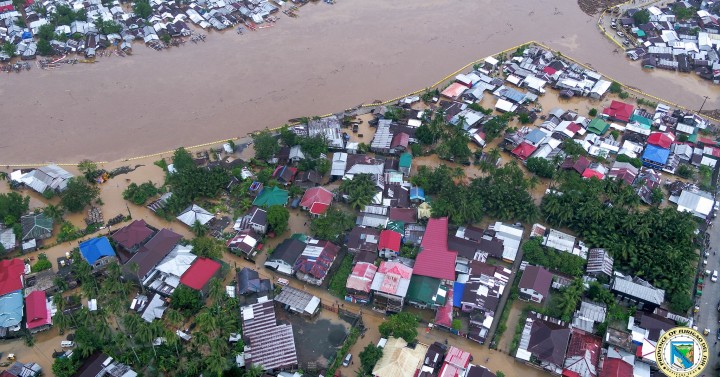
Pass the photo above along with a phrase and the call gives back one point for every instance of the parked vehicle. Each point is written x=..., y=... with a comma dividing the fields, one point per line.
x=283, y=282
x=714, y=276
x=348, y=358
x=67, y=344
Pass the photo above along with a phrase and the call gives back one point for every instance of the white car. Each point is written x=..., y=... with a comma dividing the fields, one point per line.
x=620, y=34
x=714, y=275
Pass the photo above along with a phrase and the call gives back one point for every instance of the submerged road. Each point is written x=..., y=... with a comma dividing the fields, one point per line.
x=329, y=59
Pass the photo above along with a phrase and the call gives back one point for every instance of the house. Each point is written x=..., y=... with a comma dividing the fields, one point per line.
x=618, y=363
x=283, y=258
x=18, y=369
x=359, y=283
x=510, y=235
x=583, y=354
x=655, y=157
x=535, y=284
x=595, y=170
x=417, y=194
x=100, y=364
x=51, y=177
x=524, y=150
x=456, y=363
x=199, y=274
x=434, y=259
x=295, y=154
x=699, y=203
x=132, y=236
x=299, y=302
x=97, y=252
x=151, y=253
x=598, y=126
x=308, y=179
x=588, y=316
x=255, y=219
x=269, y=197
x=480, y=296
x=578, y=165
x=434, y=358
x=599, y=262
x=195, y=214
x=389, y=245
x=363, y=239
x=11, y=275
x=316, y=200
x=11, y=311
x=250, y=283
x=479, y=371
x=165, y=277
x=390, y=285
x=405, y=164
x=315, y=261
x=403, y=215
x=619, y=111
x=267, y=344
x=661, y=139
x=399, y=359
x=244, y=243
x=426, y=292
x=623, y=171
x=37, y=312
x=284, y=174
x=7, y=238
x=544, y=342
x=329, y=128
x=36, y=226
x=637, y=292
x=424, y=210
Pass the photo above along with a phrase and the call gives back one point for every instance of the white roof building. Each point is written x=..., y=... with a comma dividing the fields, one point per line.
x=699, y=203
x=50, y=177
x=193, y=214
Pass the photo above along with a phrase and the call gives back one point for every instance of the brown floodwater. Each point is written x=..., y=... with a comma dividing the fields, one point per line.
x=329, y=59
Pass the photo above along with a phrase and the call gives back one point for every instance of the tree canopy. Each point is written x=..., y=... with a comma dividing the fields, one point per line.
x=401, y=325
x=541, y=167
x=312, y=147
x=332, y=225
x=642, y=16
x=12, y=207
x=207, y=247
x=655, y=244
x=560, y=261
x=142, y=9
x=191, y=182
x=78, y=194
x=265, y=144
x=278, y=217
x=186, y=299
x=360, y=190
x=140, y=194
x=369, y=356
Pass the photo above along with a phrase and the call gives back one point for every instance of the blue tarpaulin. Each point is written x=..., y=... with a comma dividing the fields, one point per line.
x=459, y=289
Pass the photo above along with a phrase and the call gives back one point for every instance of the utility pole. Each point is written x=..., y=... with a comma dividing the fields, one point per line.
x=703, y=104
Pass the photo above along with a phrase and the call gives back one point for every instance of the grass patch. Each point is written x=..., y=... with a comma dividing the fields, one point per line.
x=339, y=280
x=502, y=325
x=519, y=330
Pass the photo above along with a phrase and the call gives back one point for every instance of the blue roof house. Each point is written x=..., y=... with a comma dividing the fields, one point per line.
x=97, y=252
x=655, y=157
x=417, y=194
x=11, y=309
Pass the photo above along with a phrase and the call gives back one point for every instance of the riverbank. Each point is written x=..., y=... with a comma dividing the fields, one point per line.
x=330, y=59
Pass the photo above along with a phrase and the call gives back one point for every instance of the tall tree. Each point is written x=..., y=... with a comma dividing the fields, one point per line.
x=278, y=217
x=360, y=190
x=78, y=194
x=265, y=144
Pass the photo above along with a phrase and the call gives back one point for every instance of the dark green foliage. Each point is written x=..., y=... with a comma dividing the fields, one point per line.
x=565, y=304
x=615, y=87
x=360, y=190
x=331, y=226
x=64, y=367
x=278, y=217
x=46, y=32
x=656, y=195
x=140, y=194
x=541, y=167
x=107, y=27
x=454, y=147
x=656, y=244
x=191, y=182
x=424, y=135
x=78, y=194
x=288, y=138
x=10, y=49
x=598, y=293
x=685, y=171
x=312, y=147
x=683, y=13
x=568, y=264
x=572, y=148
x=142, y=9
x=64, y=15
x=476, y=106
x=641, y=17
x=44, y=48
x=401, y=325
x=633, y=161
x=207, y=247
x=394, y=113
x=186, y=300
x=42, y=264
x=496, y=126
x=593, y=112
x=524, y=118
x=12, y=207
x=339, y=280
x=265, y=145
x=182, y=160
x=369, y=356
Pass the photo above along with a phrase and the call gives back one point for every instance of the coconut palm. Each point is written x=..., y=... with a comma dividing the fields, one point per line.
x=216, y=290
x=174, y=317
x=131, y=322
x=199, y=229
x=54, y=212
x=254, y=370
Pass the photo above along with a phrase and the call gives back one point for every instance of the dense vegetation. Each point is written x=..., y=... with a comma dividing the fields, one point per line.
x=360, y=190
x=656, y=244
x=277, y=217
x=566, y=263
x=78, y=194
x=333, y=225
x=339, y=280
x=401, y=325
x=140, y=194
x=190, y=182
x=12, y=207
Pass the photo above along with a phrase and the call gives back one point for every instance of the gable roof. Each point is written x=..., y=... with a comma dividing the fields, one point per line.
x=661, y=139
x=96, y=248
x=619, y=110
x=613, y=367
x=536, y=278
x=195, y=213
x=548, y=341
x=197, y=276
x=248, y=281
x=288, y=251
x=398, y=360
x=317, y=258
x=434, y=259
x=524, y=150
x=598, y=126
x=50, y=177
x=361, y=278
x=644, y=291
x=36, y=226
x=273, y=345
x=579, y=164
x=11, y=272
x=392, y=278
x=11, y=309
x=656, y=154
x=317, y=200
x=274, y=196
x=406, y=215
x=284, y=173
x=150, y=254
x=390, y=240
x=36, y=309
x=583, y=354
x=132, y=235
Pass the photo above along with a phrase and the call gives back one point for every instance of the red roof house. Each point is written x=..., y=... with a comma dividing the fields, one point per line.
x=456, y=362
x=661, y=139
x=582, y=355
x=616, y=368
x=11, y=272
x=132, y=236
x=590, y=173
x=316, y=200
x=37, y=312
x=389, y=242
x=360, y=280
x=619, y=111
x=524, y=150
x=200, y=273
x=434, y=259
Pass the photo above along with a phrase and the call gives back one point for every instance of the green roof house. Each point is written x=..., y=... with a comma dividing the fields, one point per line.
x=598, y=126
x=405, y=163
x=425, y=291
x=36, y=226
x=271, y=197
x=642, y=120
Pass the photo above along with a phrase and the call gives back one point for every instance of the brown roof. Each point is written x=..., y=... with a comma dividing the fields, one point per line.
x=131, y=236
x=358, y=238
x=406, y=215
x=549, y=341
x=655, y=324
x=465, y=248
x=537, y=279
x=494, y=247
x=579, y=165
x=474, y=233
x=150, y=254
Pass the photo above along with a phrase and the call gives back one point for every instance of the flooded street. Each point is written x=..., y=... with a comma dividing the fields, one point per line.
x=329, y=59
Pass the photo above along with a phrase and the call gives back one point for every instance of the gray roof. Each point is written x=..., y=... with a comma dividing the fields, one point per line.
x=7, y=238
x=645, y=292
x=589, y=314
x=51, y=176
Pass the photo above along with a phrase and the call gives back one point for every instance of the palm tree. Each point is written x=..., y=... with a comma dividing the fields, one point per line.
x=144, y=335
x=199, y=229
x=207, y=322
x=174, y=317
x=135, y=268
x=216, y=291
x=3, y=176
x=54, y=212
x=131, y=322
x=254, y=370
x=216, y=363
